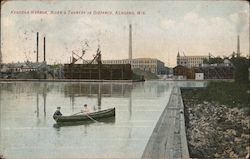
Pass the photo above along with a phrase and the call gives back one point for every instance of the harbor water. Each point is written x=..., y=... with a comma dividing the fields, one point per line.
x=28, y=129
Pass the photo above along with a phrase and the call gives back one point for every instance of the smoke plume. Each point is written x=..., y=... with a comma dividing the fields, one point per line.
x=240, y=19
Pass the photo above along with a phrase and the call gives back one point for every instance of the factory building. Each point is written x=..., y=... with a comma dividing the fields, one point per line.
x=146, y=64
x=182, y=72
x=112, y=69
x=190, y=61
x=212, y=71
x=20, y=67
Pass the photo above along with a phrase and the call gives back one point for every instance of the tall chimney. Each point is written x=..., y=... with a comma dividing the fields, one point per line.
x=0, y=56
x=238, y=46
x=37, y=41
x=130, y=42
x=44, y=50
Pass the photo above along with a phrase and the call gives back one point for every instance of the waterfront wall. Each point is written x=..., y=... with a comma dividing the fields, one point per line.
x=168, y=139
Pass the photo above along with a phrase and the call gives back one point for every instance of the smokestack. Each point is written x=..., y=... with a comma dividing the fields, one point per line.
x=238, y=46
x=0, y=56
x=37, y=41
x=130, y=42
x=44, y=50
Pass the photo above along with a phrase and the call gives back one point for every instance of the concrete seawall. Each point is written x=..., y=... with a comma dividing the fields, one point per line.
x=168, y=139
x=67, y=80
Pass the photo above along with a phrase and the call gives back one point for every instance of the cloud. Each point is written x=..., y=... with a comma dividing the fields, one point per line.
x=167, y=24
x=209, y=27
x=240, y=19
x=196, y=29
x=8, y=22
x=194, y=18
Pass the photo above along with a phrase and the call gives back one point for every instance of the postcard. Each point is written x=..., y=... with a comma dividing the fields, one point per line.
x=124, y=79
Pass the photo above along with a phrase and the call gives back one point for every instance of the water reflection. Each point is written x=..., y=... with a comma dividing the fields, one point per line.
x=41, y=93
x=191, y=84
x=44, y=102
x=93, y=90
x=80, y=90
x=37, y=105
x=27, y=109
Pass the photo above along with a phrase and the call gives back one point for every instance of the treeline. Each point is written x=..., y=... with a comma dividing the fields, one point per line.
x=241, y=65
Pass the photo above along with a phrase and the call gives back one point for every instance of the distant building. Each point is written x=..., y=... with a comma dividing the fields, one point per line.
x=23, y=67
x=146, y=64
x=22, y=70
x=218, y=71
x=213, y=71
x=199, y=76
x=182, y=72
x=98, y=72
x=190, y=61
x=3, y=68
x=227, y=62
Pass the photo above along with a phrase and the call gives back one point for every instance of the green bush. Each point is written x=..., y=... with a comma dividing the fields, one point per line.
x=241, y=65
x=232, y=94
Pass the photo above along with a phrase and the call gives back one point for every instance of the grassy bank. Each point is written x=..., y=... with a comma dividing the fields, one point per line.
x=231, y=94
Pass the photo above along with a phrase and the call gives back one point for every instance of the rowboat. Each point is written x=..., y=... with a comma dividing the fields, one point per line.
x=108, y=120
x=95, y=116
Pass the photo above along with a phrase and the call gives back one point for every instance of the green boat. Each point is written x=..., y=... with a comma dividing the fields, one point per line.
x=94, y=116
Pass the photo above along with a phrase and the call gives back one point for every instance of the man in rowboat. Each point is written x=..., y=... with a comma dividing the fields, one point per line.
x=86, y=109
x=57, y=113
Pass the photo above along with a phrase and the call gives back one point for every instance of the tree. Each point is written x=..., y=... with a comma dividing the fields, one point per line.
x=241, y=65
x=213, y=60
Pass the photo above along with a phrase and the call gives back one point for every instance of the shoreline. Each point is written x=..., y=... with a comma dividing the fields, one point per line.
x=168, y=139
x=68, y=80
x=94, y=80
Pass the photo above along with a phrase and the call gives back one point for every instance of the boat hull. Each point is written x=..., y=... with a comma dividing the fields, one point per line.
x=86, y=117
x=108, y=120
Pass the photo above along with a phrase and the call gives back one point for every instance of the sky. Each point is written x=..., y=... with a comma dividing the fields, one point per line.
x=159, y=29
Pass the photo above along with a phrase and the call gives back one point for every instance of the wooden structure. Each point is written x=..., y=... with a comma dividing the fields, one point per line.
x=188, y=73
x=98, y=71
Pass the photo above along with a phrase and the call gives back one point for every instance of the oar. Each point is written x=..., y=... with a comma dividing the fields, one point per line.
x=91, y=118
x=87, y=116
x=77, y=113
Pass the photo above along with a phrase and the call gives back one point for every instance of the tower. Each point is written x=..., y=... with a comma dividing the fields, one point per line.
x=130, y=42
x=238, y=46
x=0, y=56
x=37, y=41
x=44, y=50
x=178, y=58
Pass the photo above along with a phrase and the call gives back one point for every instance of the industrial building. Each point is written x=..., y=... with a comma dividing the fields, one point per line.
x=98, y=71
x=146, y=64
x=154, y=66
x=217, y=72
x=112, y=69
x=190, y=61
x=88, y=69
x=30, y=70
x=205, y=71
x=20, y=67
x=182, y=72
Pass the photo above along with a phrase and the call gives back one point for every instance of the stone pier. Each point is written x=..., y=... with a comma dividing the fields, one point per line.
x=168, y=139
